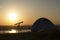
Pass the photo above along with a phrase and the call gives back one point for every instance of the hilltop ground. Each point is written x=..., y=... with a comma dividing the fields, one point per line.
x=32, y=36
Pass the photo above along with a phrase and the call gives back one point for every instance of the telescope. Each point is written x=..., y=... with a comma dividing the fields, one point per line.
x=19, y=23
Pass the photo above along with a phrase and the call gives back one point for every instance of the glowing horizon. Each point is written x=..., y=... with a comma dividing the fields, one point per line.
x=13, y=11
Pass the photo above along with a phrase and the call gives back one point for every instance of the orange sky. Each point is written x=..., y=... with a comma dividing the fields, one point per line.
x=29, y=11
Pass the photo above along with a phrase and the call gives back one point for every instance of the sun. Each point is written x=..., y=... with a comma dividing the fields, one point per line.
x=12, y=16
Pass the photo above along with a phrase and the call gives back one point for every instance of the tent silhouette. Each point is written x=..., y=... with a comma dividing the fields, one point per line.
x=42, y=24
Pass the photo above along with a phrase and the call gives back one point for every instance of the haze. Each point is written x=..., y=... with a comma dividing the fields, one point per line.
x=29, y=10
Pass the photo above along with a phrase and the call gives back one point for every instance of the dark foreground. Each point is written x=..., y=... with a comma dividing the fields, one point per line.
x=31, y=36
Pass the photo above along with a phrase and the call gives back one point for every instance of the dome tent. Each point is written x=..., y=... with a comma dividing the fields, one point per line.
x=42, y=24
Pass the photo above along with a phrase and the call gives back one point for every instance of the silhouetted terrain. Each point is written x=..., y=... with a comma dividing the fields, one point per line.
x=14, y=27
x=30, y=35
x=23, y=27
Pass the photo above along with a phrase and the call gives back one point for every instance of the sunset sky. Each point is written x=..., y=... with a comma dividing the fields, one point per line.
x=13, y=11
